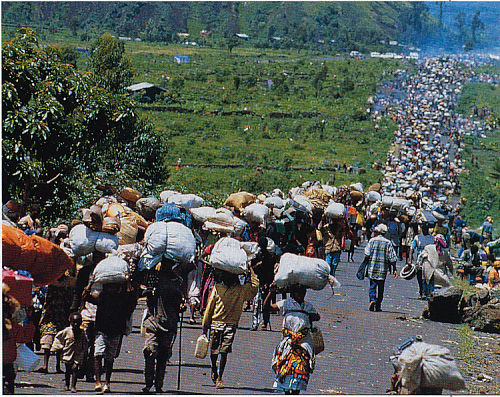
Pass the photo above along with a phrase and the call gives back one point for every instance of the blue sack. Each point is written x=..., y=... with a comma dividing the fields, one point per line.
x=169, y=212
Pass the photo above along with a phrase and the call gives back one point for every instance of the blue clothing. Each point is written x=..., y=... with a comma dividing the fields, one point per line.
x=333, y=259
x=376, y=292
x=487, y=227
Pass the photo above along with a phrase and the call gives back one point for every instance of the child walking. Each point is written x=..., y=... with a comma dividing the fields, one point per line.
x=73, y=344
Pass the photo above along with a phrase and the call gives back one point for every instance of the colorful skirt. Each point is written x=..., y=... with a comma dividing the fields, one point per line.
x=291, y=362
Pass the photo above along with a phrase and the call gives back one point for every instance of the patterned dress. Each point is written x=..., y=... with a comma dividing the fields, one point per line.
x=293, y=359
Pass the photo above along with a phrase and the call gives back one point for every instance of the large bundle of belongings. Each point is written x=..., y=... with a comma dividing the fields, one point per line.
x=44, y=260
x=423, y=368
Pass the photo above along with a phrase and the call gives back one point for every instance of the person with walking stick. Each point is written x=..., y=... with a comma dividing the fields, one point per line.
x=165, y=300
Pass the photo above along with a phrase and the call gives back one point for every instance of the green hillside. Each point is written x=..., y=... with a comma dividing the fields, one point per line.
x=339, y=26
x=481, y=185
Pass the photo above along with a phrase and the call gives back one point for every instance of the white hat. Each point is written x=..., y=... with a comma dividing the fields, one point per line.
x=381, y=228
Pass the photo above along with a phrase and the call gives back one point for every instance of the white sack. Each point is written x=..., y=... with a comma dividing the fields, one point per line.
x=357, y=186
x=302, y=203
x=429, y=365
x=310, y=272
x=166, y=194
x=228, y=255
x=201, y=214
x=373, y=196
x=84, y=241
x=335, y=210
x=112, y=269
x=331, y=190
x=170, y=239
x=239, y=226
x=258, y=213
x=217, y=227
x=251, y=248
x=186, y=201
x=274, y=202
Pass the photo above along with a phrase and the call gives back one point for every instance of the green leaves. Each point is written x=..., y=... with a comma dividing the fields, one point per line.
x=57, y=121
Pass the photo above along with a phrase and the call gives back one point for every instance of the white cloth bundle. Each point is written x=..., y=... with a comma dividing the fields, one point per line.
x=186, y=201
x=202, y=214
x=170, y=239
x=426, y=365
x=228, y=255
x=335, y=210
x=302, y=203
x=84, y=241
x=258, y=213
x=111, y=270
x=310, y=272
x=274, y=202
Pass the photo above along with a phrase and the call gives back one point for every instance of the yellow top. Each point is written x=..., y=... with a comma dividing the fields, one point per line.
x=226, y=303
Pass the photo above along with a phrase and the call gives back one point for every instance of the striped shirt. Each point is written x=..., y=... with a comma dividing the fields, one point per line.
x=381, y=254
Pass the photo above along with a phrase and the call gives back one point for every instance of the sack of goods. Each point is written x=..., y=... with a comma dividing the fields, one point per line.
x=130, y=223
x=130, y=253
x=310, y=272
x=373, y=196
x=170, y=239
x=171, y=212
x=274, y=202
x=302, y=203
x=251, y=248
x=356, y=196
x=426, y=365
x=239, y=200
x=45, y=260
x=335, y=210
x=92, y=218
x=222, y=221
x=331, y=190
x=319, y=194
x=186, y=201
x=111, y=224
x=202, y=214
x=257, y=213
x=376, y=187
x=228, y=255
x=146, y=207
x=112, y=269
x=357, y=186
x=130, y=194
x=166, y=194
x=84, y=241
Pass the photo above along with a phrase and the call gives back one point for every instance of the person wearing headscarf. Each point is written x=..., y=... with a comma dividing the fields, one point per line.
x=293, y=359
x=437, y=266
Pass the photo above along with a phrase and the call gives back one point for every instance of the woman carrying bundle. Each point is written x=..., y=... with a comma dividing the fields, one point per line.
x=293, y=358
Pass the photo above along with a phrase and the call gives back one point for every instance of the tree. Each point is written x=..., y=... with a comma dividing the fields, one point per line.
x=236, y=82
x=460, y=24
x=476, y=25
x=231, y=43
x=60, y=131
x=111, y=68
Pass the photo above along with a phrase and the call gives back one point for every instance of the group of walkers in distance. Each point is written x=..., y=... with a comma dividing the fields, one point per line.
x=407, y=217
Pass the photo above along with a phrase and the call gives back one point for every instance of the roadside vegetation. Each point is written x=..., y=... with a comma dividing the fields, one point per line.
x=481, y=185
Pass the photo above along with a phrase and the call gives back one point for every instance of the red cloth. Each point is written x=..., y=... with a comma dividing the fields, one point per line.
x=18, y=334
x=45, y=260
x=19, y=286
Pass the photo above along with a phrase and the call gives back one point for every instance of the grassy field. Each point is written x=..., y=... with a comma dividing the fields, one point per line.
x=481, y=186
x=293, y=123
x=215, y=112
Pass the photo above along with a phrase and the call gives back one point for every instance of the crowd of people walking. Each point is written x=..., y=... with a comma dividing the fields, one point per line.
x=408, y=218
